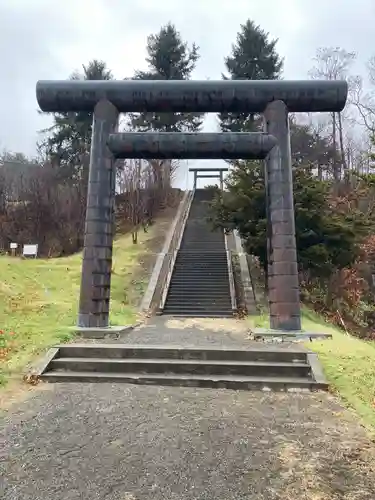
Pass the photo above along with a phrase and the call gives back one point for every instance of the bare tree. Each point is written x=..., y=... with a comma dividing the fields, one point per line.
x=333, y=63
x=364, y=101
x=38, y=208
x=144, y=188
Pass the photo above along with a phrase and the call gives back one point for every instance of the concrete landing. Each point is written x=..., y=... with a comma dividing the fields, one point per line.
x=199, y=332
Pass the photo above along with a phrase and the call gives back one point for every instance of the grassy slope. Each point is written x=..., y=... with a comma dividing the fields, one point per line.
x=348, y=362
x=39, y=298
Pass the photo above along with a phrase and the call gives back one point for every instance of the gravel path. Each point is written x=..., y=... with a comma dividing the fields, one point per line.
x=125, y=442
x=199, y=332
x=119, y=442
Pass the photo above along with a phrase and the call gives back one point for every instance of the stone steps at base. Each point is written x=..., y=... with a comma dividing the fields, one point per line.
x=187, y=302
x=198, y=314
x=168, y=351
x=181, y=367
x=204, y=381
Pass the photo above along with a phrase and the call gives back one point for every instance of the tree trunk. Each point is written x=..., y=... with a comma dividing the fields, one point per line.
x=336, y=166
x=341, y=138
x=320, y=172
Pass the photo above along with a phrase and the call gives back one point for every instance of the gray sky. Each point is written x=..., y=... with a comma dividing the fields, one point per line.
x=48, y=39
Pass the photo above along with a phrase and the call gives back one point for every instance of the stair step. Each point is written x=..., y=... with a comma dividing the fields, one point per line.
x=208, y=381
x=186, y=306
x=197, y=292
x=167, y=351
x=202, y=305
x=214, y=250
x=202, y=284
x=202, y=267
x=189, y=366
x=202, y=263
x=212, y=268
x=194, y=291
x=198, y=288
x=182, y=308
x=200, y=278
x=185, y=284
x=220, y=273
x=197, y=257
x=196, y=301
x=195, y=314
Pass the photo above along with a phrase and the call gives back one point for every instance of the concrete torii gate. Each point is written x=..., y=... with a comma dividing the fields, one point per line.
x=202, y=173
x=274, y=98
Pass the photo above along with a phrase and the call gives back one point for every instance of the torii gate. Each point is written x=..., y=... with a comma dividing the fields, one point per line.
x=274, y=98
x=205, y=175
x=199, y=175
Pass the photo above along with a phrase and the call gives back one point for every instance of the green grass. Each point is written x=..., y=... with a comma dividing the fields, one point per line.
x=348, y=363
x=39, y=299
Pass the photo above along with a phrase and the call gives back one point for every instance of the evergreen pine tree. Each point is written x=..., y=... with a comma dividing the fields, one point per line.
x=253, y=57
x=169, y=58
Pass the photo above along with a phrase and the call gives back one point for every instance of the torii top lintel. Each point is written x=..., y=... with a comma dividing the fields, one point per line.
x=192, y=96
x=203, y=169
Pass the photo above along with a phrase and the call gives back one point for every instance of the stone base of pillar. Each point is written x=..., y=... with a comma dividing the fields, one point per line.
x=102, y=333
x=270, y=335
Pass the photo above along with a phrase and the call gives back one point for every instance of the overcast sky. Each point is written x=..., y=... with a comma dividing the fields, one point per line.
x=48, y=39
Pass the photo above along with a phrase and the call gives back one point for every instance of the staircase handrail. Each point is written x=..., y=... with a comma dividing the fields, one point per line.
x=158, y=280
x=170, y=258
x=232, y=288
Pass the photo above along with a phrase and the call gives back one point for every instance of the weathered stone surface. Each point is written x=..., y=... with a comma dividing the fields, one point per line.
x=284, y=322
x=283, y=242
x=99, y=240
x=282, y=215
x=283, y=274
x=102, y=176
x=280, y=203
x=285, y=227
x=101, y=280
x=284, y=308
x=100, y=214
x=281, y=268
x=97, y=252
x=280, y=187
x=99, y=225
x=283, y=253
x=91, y=319
x=100, y=305
x=283, y=282
x=103, y=292
x=231, y=145
x=192, y=96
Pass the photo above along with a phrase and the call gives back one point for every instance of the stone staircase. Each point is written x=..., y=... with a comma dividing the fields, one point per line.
x=211, y=367
x=199, y=286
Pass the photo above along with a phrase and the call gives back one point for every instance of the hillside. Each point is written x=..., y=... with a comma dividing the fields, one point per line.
x=39, y=298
